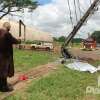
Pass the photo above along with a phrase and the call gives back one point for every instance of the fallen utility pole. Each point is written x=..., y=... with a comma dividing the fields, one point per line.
x=79, y=25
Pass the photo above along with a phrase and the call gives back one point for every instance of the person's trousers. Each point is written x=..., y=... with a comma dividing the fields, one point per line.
x=3, y=82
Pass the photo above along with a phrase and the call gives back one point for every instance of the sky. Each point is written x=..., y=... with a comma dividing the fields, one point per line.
x=53, y=17
x=43, y=2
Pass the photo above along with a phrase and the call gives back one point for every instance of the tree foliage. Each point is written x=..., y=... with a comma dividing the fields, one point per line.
x=63, y=39
x=59, y=39
x=55, y=38
x=77, y=40
x=96, y=35
x=9, y=6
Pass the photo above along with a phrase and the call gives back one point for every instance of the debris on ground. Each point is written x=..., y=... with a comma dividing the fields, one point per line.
x=82, y=66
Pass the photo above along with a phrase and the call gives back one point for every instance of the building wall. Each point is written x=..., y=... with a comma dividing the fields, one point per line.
x=31, y=32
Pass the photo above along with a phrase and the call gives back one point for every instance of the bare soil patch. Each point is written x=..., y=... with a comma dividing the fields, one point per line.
x=32, y=74
x=86, y=55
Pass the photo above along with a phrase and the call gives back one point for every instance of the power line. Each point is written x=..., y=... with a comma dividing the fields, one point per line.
x=70, y=13
x=90, y=2
x=75, y=11
x=79, y=7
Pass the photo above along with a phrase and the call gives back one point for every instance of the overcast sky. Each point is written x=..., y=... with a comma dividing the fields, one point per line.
x=53, y=17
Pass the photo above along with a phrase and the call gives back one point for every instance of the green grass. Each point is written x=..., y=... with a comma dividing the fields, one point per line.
x=25, y=60
x=63, y=84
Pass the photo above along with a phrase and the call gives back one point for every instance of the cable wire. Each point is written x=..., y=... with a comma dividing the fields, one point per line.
x=71, y=19
x=75, y=11
x=79, y=8
x=90, y=2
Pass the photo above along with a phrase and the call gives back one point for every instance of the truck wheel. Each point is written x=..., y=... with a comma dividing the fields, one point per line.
x=48, y=49
x=33, y=48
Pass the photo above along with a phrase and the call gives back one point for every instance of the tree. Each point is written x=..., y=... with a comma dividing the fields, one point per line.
x=9, y=6
x=55, y=38
x=96, y=35
x=76, y=40
x=62, y=39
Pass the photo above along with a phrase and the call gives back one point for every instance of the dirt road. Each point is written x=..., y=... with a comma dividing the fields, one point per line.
x=93, y=55
x=32, y=74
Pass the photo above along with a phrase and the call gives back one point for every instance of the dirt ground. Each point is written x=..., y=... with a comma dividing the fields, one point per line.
x=85, y=55
x=32, y=74
x=45, y=69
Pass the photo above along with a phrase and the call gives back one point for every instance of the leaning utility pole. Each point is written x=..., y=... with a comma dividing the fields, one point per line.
x=81, y=22
x=91, y=9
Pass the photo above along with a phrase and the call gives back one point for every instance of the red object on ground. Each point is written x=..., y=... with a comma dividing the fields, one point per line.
x=23, y=77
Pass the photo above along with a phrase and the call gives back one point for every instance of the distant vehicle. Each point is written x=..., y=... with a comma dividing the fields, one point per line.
x=42, y=45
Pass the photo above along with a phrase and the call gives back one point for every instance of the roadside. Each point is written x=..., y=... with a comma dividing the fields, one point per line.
x=85, y=55
x=34, y=73
x=60, y=84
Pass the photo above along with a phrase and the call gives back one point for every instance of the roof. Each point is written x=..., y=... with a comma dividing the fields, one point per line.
x=89, y=39
x=31, y=32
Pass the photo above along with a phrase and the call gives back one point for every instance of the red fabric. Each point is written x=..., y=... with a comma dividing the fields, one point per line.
x=23, y=77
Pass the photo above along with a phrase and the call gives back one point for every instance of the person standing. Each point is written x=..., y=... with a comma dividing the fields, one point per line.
x=6, y=56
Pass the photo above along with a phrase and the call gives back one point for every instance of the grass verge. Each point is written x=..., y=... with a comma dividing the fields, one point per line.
x=63, y=84
x=25, y=60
